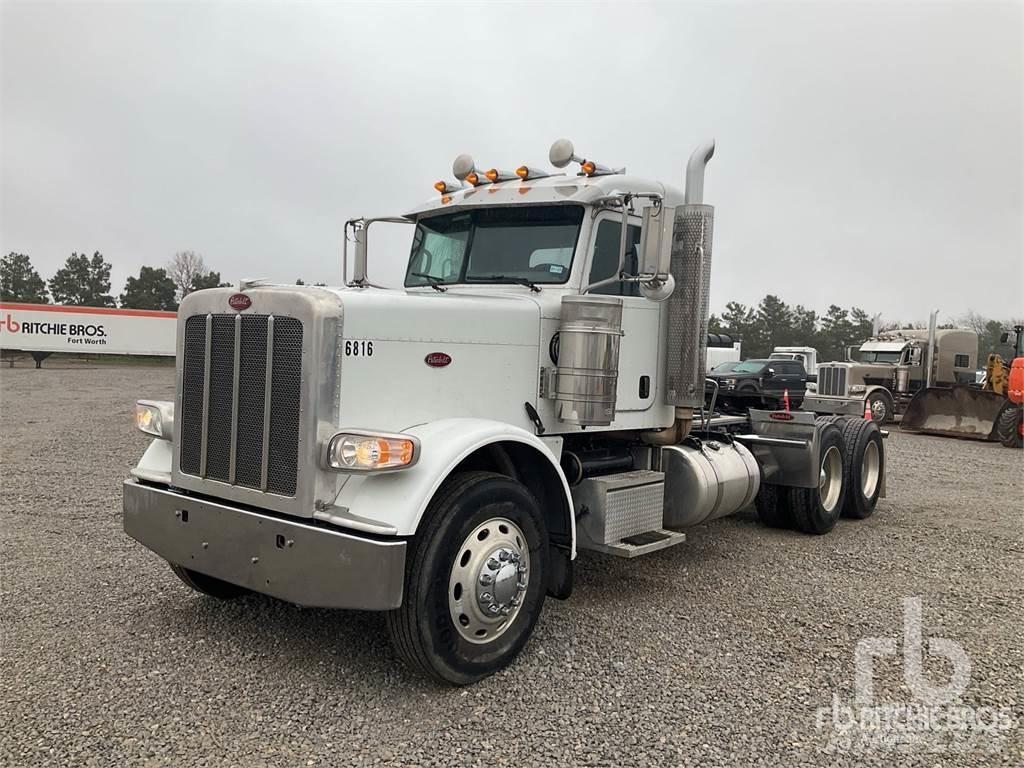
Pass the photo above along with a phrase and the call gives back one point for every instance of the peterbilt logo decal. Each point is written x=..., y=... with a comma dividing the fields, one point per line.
x=437, y=359
x=239, y=301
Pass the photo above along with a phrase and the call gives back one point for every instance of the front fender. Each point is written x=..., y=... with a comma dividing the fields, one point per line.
x=400, y=498
x=155, y=464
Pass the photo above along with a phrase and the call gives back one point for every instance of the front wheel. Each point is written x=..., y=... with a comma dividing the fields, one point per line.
x=475, y=579
x=882, y=409
x=1010, y=425
x=208, y=585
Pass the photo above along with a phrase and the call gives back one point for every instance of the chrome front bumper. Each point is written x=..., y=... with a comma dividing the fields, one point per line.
x=843, y=406
x=293, y=561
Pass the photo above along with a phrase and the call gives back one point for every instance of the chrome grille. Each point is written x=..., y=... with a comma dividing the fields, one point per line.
x=832, y=380
x=240, y=408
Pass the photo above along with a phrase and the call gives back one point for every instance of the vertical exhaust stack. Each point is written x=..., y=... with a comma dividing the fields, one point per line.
x=688, y=306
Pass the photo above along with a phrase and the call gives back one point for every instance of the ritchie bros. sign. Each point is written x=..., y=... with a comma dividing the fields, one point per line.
x=97, y=330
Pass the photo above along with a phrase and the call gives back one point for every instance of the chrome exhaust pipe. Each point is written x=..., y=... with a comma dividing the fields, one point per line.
x=695, y=172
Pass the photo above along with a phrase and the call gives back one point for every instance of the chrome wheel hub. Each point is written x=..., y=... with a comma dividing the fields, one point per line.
x=488, y=580
x=870, y=470
x=878, y=410
x=830, y=478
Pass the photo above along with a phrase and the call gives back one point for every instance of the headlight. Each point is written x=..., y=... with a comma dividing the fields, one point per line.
x=812, y=387
x=858, y=389
x=730, y=383
x=155, y=417
x=368, y=452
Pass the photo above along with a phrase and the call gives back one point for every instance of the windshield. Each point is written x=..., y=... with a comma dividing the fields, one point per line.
x=495, y=245
x=750, y=366
x=881, y=357
x=721, y=367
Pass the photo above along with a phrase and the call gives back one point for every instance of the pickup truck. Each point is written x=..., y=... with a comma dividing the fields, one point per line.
x=761, y=383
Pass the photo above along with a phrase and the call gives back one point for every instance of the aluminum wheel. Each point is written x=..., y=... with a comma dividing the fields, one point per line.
x=830, y=478
x=488, y=580
x=879, y=412
x=870, y=467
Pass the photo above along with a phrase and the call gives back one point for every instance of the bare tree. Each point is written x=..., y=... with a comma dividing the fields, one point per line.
x=183, y=269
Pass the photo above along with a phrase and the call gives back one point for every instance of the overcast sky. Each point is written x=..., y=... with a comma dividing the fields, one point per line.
x=868, y=154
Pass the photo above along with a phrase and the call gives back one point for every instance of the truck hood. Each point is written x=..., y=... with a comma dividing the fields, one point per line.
x=430, y=316
x=411, y=357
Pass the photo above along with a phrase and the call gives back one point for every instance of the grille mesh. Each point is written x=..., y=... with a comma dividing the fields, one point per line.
x=831, y=380
x=192, y=380
x=251, y=390
x=249, y=414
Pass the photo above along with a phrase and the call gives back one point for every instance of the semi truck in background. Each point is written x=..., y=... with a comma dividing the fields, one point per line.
x=440, y=452
x=891, y=368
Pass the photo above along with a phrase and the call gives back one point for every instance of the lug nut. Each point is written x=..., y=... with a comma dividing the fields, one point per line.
x=493, y=564
x=493, y=608
x=486, y=578
x=486, y=597
x=503, y=555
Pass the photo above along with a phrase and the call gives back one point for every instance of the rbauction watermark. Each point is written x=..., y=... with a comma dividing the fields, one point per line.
x=933, y=720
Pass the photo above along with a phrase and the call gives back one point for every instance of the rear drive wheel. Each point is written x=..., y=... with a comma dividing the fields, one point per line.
x=882, y=410
x=208, y=585
x=864, y=463
x=771, y=507
x=816, y=510
x=475, y=579
x=1010, y=425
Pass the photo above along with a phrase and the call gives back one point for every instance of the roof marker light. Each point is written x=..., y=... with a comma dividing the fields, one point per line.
x=447, y=187
x=526, y=173
x=494, y=175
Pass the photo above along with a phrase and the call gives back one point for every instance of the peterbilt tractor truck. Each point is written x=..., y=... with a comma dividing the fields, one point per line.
x=442, y=451
x=892, y=367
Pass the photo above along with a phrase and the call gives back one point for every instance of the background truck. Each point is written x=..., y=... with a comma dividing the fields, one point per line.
x=441, y=451
x=761, y=383
x=891, y=368
x=992, y=410
x=807, y=356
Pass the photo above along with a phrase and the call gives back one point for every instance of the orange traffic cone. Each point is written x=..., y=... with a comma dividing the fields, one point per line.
x=867, y=410
x=785, y=400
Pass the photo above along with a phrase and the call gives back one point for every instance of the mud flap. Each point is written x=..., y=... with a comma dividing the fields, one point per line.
x=957, y=411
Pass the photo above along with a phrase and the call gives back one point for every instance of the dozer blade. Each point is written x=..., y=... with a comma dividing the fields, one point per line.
x=957, y=411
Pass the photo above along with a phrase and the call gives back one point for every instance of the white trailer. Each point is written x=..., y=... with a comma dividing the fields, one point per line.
x=43, y=329
x=441, y=451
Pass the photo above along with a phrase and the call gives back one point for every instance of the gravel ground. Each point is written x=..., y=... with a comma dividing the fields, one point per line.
x=721, y=651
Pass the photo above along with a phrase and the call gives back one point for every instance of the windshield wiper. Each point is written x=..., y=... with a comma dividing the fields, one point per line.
x=436, y=282
x=502, y=279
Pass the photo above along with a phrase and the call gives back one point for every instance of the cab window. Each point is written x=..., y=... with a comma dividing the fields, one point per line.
x=606, y=258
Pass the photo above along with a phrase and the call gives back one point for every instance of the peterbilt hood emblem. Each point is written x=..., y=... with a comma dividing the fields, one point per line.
x=437, y=359
x=239, y=301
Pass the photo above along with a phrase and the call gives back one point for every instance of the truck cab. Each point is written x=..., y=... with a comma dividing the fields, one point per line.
x=441, y=450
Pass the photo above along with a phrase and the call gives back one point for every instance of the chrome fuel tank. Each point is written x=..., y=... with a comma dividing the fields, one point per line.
x=707, y=482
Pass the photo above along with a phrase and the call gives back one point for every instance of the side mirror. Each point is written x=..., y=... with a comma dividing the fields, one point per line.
x=1004, y=337
x=915, y=356
x=656, y=251
x=769, y=373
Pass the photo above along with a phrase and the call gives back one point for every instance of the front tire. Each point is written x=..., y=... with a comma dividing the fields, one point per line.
x=882, y=409
x=475, y=579
x=1008, y=425
x=208, y=585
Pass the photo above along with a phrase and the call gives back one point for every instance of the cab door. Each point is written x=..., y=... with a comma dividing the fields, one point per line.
x=638, y=350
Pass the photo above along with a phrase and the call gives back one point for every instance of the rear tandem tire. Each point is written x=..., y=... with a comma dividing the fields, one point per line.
x=863, y=465
x=1008, y=425
x=208, y=585
x=816, y=510
x=481, y=528
x=771, y=507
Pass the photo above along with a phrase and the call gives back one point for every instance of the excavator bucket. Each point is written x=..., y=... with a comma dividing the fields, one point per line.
x=956, y=411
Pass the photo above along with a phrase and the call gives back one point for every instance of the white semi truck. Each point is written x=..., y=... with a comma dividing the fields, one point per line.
x=441, y=451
